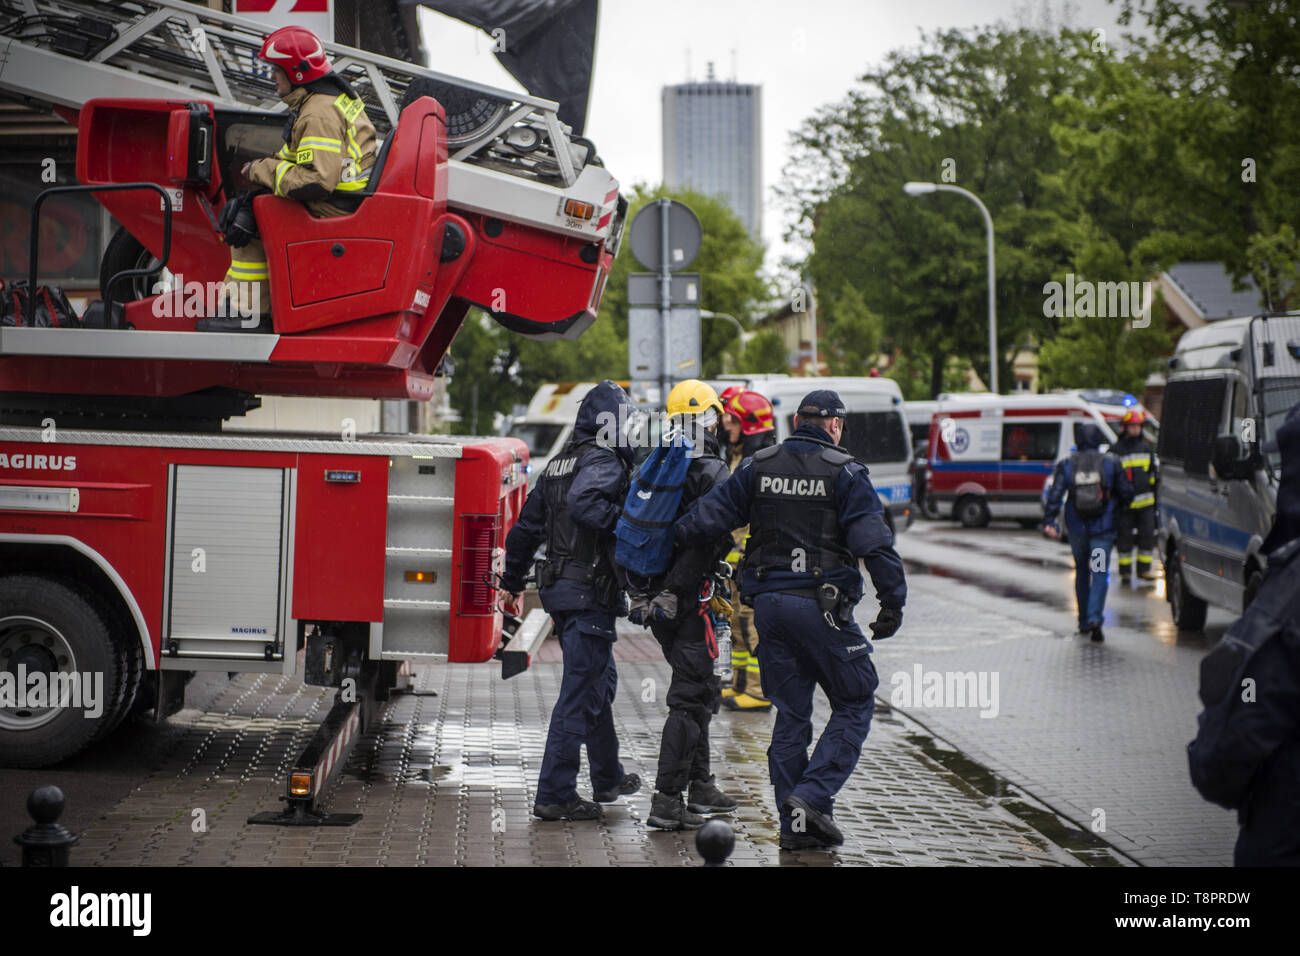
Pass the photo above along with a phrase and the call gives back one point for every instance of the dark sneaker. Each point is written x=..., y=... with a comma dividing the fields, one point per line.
x=631, y=784
x=816, y=823
x=668, y=812
x=1095, y=634
x=804, y=841
x=705, y=797
x=575, y=809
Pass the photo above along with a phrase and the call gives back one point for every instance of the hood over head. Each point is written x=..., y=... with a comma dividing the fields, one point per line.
x=609, y=415
x=1090, y=438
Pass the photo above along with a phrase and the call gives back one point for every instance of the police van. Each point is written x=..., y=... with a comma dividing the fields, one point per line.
x=875, y=431
x=989, y=456
x=1230, y=385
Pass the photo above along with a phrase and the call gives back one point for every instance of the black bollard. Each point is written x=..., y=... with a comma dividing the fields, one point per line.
x=46, y=843
x=715, y=841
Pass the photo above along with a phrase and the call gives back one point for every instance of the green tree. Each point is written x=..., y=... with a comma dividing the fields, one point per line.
x=765, y=353
x=849, y=337
x=972, y=108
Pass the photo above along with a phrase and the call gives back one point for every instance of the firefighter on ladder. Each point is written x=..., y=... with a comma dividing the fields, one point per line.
x=750, y=424
x=330, y=147
x=1138, y=520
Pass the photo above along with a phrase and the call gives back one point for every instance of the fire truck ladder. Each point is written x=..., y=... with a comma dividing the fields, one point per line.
x=509, y=152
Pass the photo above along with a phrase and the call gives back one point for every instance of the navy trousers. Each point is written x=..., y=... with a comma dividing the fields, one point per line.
x=583, y=714
x=797, y=652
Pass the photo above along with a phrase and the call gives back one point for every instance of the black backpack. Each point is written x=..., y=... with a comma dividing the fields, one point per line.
x=53, y=310
x=1088, y=491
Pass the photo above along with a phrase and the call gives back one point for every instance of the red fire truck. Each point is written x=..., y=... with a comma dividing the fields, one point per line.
x=140, y=543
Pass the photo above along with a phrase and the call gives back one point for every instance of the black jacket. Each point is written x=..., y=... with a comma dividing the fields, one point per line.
x=692, y=562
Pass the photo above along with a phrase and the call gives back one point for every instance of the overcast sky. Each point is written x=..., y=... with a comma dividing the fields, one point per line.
x=804, y=54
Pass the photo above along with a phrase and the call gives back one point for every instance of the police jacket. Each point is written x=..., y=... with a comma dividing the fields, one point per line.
x=739, y=452
x=812, y=514
x=329, y=151
x=1114, y=481
x=691, y=563
x=573, y=509
x=1246, y=754
x=1138, y=459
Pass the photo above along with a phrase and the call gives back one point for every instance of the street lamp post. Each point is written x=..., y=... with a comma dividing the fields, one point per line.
x=922, y=189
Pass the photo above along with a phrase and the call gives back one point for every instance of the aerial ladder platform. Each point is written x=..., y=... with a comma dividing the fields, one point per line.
x=479, y=197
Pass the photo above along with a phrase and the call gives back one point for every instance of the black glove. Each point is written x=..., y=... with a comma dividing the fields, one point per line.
x=236, y=219
x=638, y=609
x=887, y=623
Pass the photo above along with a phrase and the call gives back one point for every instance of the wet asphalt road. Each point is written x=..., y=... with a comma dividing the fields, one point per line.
x=1096, y=731
x=1092, y=735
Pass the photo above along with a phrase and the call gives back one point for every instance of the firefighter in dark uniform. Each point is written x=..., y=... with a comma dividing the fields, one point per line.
x=812, y=513
x=573, y=509
x=1138, y=520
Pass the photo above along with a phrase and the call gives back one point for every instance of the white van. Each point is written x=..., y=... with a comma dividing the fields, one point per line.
x=1230, y=386
x=875, y=431
x=990, y=455
x=548, y=424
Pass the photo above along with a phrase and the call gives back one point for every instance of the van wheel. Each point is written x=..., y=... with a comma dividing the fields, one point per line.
x=1187, y=610
x=51, y=628
x=1253, y=580
x=972, y=512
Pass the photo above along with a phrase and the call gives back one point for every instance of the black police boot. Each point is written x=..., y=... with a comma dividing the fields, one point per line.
x=818, y=825
x=575, y=809
x=668, y=812
x=631, y=784
x=233, y=323
x=1095, y=634
x=705, y=797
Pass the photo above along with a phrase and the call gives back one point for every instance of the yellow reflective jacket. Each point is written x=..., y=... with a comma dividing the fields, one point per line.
x=329, y=154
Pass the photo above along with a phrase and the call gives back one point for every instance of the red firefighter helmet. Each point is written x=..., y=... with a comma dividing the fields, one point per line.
x=730, y=392
x=1134, y=416
x=753, y=410
x=298, y=51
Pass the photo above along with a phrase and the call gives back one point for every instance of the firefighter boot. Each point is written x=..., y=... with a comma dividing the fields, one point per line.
x=705, y=797
x=1146, y=566
x=668, y=812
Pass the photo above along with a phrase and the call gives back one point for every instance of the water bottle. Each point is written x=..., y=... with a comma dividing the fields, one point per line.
x=722, y=635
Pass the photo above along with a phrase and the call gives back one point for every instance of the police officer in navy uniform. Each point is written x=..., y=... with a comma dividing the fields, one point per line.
x=574, y=508
x=812, y=513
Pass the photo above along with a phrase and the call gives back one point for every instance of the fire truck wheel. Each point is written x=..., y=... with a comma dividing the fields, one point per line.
x=125, y=251
x=47, y=627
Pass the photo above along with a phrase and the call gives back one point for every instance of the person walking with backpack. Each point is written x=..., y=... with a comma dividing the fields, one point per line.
x=749, y=422
x=812, y=515
x=675, y=586
x=1246, y=755
x=573, y=510
x=1137, y=522
x=1092, y=486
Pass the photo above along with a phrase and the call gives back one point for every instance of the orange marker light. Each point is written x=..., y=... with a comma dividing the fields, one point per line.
x=579, y=210
x=425, y=577
x=300, y=785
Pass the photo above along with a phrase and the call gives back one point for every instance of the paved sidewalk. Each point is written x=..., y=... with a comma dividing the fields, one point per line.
x=450, y=780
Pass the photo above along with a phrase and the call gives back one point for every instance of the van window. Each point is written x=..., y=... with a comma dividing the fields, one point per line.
x=538, y=436
x=1190, y=421
x=1030, y=441
x=872, y=437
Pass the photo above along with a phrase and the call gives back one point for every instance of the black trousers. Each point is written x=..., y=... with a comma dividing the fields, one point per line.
x=1135, y=524
x=692, y=696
